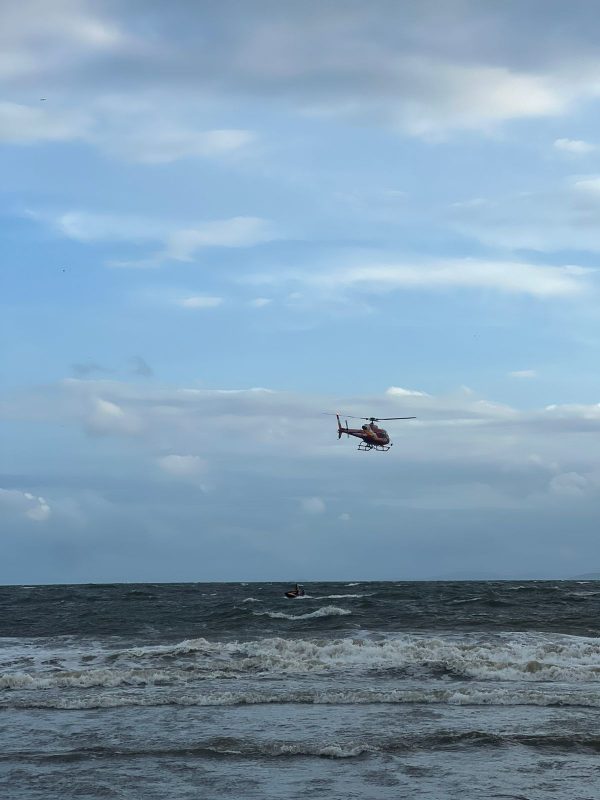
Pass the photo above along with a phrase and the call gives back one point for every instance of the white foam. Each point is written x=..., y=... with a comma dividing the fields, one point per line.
x=104, y=678
x=517, y=657
x=341, y=596
x=325, y=611
x=460, y=696
x=466, y=600
x=513, y=657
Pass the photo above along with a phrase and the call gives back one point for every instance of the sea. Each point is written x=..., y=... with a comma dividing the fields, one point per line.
x=356, y=690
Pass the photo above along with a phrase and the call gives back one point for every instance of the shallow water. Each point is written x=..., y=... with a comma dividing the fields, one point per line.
x=358, y=690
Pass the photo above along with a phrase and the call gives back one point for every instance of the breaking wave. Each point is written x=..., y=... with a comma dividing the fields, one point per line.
x=326, y=611
x=452, y=696
x=517, y=658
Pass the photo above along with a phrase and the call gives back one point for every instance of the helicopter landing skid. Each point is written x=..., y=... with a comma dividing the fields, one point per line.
x=382, y=448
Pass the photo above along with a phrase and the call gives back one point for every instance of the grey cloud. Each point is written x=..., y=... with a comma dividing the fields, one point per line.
x=140, y=366
x=421, y=68
x=86, y=368
x=468, y=476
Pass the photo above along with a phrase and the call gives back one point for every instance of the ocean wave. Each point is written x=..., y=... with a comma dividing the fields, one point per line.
x=251, y=600
x=212, y=748
x=466, y=600
x=516, y=658
x=325, y=611
x=509, y=657
x=341, y=596
x=105, y=678
x=463, y=696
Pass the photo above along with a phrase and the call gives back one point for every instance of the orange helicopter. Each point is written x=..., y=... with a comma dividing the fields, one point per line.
x=373, y=437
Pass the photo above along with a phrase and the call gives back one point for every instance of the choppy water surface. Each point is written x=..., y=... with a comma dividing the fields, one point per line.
x=358, y=690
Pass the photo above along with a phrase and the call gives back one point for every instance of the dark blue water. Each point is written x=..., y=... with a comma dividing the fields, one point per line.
x=370, y=690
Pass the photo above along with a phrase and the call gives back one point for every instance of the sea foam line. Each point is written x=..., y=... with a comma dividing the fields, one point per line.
x=325, y=611
x=463, y=696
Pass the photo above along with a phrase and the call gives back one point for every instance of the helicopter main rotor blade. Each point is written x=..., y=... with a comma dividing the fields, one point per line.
x=379, y=419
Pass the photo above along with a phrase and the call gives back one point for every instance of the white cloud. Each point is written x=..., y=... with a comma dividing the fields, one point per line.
x=131, y=134
x=20, y=124
x=178, y=243
x=344, y=517
x=574, y=146
x=86, y=227
x=523, y=373
x=313, y=505
x=157, y=142
x=563, y=217
x=183, y=466
x=107, y=417
x=235, y=232
x=34, y=42
x=398, y=391
x=200, y=301
x=260, y=302
x=24, y=504
x=511, y=277
x=188, y=468
x=472, y=96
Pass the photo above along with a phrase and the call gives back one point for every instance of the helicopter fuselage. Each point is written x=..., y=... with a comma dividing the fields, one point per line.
x=372, y=437
x=369, y=433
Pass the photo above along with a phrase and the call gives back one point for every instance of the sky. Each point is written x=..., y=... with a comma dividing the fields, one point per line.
x=219, y=220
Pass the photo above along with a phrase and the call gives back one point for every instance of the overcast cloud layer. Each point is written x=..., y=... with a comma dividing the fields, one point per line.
x=219, y=220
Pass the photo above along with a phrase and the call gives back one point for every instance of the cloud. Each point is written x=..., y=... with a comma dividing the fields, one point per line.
x=458, y=96
x=523, y=373
x=158, y=142
x=144, y=92
x=34, y=43
x=574, y=146
x=510, y=277
x=87, y=368
x=178, y=243
x=398, y=391
x=183, y=466
x=24, y=504
x=313, y=505
x=569, y=484
x=235, y=232
x=563, y=217
x=26, y=125
x=201, y=301
x=139, y=366
x=260, y=302
x=147, y=142
x=106, y=417
x=82, y=226
x=191, y=469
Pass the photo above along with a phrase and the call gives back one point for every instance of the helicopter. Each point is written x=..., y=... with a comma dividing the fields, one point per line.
x=372, y=437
